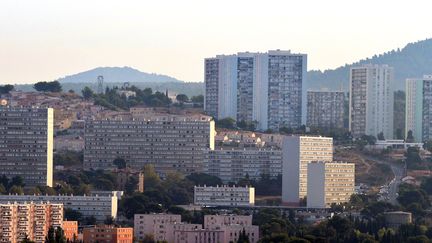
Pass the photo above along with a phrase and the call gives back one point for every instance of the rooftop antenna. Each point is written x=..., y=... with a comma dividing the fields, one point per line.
x=100, y=80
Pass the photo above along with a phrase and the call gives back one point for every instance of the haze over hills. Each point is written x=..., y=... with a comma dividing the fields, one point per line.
x=412, y=61
x=117, y=75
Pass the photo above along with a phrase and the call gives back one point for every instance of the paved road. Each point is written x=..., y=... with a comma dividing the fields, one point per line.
x=399, y=173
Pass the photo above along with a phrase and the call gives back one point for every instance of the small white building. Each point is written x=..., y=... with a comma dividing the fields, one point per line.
x=224, y=196
x=394, y=144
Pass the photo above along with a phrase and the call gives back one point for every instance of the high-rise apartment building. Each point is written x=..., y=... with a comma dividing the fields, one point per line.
x=427, y=108
x=26, y=144
x=234, y=165
x=297, y=152
x=329, y=183
x=325, y=109
x=31, y=220
x=265, y=88
x=371, y=100
x=418, y=108
x=170, y=143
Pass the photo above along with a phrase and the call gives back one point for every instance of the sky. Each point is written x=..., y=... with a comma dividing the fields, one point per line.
x=48, y=39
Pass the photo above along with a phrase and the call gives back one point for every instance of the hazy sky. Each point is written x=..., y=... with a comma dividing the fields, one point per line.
x=44, y=40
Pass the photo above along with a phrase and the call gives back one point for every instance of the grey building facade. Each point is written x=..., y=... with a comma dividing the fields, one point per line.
x=171, y=143
x=26, y=144
x=325, y=109
x=261, y=88
x=234, y=165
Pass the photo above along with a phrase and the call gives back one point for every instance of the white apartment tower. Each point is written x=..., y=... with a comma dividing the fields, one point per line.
x=26, y=144
x=265, y=88
x=297, y=152
x=371, y=100
x=418, y=108
x=329, y=183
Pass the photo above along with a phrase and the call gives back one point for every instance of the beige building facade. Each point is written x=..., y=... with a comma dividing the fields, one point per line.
x=297, y=152
x=330, y=183
x=32, y=220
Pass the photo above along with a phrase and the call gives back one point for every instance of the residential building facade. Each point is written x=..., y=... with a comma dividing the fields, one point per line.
x=371, y=101
x=107, y=234
x=261, y=88
x=170, y=143
x=297, y=152
x=329, y=183
x=234, y=165
x=224, y=196
x=26, y=144
x=418, y=108
x=31, y=220
x=217, y=228
x=99, y=207
x=325, y=109
x=70, y=229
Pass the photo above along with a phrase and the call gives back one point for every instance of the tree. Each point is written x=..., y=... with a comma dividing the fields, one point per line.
x=50, y=238
x=243, y=238
x=109, y=220
x=90, y=220
x=16, y=190
x=428, y=145
x=151, y=178
x=182, y=98
x=380, y=136
x=410, y=137
x=226, y=123
x=53, y=86
x=87, y=93
x=17, y=181
x=197, y=99
x=120, y=163
x=72, y=215
x=204, y=179
x=5, y=89
x=59, y=235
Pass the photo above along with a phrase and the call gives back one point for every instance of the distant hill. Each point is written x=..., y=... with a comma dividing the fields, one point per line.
x=117, y=75
x=412, y=61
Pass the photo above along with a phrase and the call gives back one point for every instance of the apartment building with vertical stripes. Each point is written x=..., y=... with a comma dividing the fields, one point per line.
x=26, y=144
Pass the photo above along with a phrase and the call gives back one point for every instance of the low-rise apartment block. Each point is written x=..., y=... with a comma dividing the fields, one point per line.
x=325, y=109
x=330, y=183
x=31, y=220
x=171, y=143
x=154, y=224
x=100, y=207
x=217, y=228
x=26, y=144
x=235, y=164
x=107, y=234
x=224, y=196
x=70, y=229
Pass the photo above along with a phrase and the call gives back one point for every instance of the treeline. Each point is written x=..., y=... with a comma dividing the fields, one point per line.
x=5, y=89
x=117, y=98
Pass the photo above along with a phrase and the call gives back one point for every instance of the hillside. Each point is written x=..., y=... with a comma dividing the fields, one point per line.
x=414, y=60
x=117, y=75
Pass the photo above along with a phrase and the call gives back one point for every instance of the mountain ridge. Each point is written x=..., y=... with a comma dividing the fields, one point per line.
x=116, y=75
x=412, y=61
